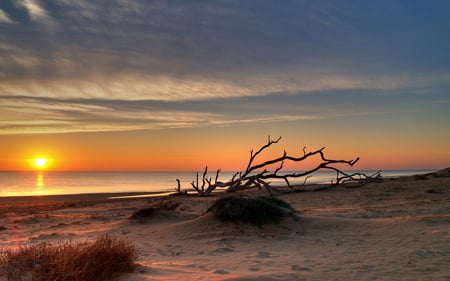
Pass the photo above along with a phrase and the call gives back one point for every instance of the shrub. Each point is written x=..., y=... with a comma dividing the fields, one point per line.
x=142, y=214
x=254, y=210
x=100, y=260
x=147, y=212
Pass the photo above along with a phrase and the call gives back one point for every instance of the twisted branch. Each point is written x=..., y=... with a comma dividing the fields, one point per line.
x=251, y=178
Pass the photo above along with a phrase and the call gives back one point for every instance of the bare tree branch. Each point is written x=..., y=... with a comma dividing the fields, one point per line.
x=258, y=175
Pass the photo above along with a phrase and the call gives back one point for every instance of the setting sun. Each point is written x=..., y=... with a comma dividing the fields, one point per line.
x=40, y=162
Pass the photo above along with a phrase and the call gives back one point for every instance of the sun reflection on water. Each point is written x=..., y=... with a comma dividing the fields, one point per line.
x=40, y=184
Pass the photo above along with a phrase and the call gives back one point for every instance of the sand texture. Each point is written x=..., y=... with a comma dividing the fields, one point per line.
x=398, y=229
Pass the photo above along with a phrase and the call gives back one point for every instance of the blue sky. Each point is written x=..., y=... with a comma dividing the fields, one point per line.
x=118, y=65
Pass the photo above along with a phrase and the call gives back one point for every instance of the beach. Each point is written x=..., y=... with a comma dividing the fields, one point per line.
x=395, y=229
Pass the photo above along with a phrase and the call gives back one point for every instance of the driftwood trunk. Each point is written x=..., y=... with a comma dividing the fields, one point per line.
x=258, y=175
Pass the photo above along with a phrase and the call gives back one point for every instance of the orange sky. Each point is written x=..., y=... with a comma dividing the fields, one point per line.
x=224, y=148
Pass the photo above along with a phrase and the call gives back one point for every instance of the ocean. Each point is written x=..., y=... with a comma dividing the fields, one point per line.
x=59, y=183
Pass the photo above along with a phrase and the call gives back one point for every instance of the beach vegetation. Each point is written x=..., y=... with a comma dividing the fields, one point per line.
x=102, y=259
x=253, y=210
x=142, y=214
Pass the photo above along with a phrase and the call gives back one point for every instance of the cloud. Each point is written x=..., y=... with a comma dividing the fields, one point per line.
x=4, y=18
x=167, y=88
x=224, y=40
x=200, y=63
x=29, y=114
x=34, y=9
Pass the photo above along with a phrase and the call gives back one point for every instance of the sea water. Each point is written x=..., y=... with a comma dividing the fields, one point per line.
x=58, y=183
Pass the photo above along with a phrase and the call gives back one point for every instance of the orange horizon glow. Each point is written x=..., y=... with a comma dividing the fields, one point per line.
x=177, y=152
x=189, y=162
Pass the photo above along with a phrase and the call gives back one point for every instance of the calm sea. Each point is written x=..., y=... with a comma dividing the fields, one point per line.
x=57, y=183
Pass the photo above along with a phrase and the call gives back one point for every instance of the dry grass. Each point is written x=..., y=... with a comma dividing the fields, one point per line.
x=142, y=214
x=99, y=260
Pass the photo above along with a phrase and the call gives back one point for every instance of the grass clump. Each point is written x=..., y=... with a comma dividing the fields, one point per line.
x=142, y=214
x=100, y=260
x=254, y=210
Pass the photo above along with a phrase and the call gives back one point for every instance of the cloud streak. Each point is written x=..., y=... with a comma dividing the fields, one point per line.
x=167, y=88
x=4, y=18
x=34, y=9
x=37, y=115
x=49, y=115
x=220, y=38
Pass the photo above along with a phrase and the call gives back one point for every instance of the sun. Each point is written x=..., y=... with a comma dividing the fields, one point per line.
x=40, y=163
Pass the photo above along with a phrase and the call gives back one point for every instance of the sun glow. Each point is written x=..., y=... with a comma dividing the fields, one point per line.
x=40, y=163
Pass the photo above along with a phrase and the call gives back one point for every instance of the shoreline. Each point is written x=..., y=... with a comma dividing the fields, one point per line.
x=75, y=197
x=104, y=196
x=38, y=186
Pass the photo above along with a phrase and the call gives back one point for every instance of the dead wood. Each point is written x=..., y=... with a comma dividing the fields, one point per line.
x=258, y=175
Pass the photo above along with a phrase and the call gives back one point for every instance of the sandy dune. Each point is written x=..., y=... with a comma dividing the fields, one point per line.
x=393, y=230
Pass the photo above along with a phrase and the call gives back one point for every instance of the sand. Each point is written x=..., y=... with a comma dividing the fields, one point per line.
x=398, y=229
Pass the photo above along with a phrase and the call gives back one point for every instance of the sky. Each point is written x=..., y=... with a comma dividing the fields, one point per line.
x=129, y=85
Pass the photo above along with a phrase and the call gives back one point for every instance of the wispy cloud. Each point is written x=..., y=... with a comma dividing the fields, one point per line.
x=4, y=18
x=167, y=88
x=37, y=115
x=34, y=9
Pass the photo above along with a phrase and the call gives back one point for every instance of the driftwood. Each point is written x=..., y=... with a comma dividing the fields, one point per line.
x=257, y=175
